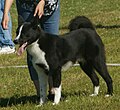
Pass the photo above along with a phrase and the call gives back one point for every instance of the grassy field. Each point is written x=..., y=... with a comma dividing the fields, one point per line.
x=16, y=89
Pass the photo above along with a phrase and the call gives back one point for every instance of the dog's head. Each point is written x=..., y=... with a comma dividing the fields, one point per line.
x=27, y=33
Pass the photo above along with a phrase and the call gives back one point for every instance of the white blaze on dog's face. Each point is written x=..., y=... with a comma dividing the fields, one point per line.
x=19, y=32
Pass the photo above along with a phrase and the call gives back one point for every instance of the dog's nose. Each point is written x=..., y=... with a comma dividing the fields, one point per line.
x=15, y=41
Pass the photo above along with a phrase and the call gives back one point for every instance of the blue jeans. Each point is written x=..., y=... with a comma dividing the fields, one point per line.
x=49, y=24
x=5, y=35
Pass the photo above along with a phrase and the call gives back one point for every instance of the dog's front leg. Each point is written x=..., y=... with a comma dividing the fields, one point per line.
x=56, y=90
x=43, y=79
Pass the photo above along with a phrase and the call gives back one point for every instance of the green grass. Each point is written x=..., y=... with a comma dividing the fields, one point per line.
x=16, y=89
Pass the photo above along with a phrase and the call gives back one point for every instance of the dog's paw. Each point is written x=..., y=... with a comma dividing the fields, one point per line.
x=55, y=103
x=92, y=95
x=108, y=95
x=39, y=105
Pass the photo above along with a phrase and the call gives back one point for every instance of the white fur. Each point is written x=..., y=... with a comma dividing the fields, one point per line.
x=107, y=95
x=43, y=79
x=57, y=92
x=18, y=36
x=38, y=56
x=96, y=91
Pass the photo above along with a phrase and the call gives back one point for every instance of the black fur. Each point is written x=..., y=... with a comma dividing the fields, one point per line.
x=81, y=44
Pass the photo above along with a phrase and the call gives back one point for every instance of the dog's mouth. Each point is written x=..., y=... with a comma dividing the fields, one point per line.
x=22, y=48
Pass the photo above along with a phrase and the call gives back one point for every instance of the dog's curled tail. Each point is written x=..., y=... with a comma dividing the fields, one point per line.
x=80, y=22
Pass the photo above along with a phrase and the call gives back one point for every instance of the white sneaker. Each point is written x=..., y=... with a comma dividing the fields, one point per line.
x=7, y=50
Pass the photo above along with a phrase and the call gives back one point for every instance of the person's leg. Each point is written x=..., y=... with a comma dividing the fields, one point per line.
x=33, y=74
x=1, y=33
x=25, y=10
x=27, y=14
x=5, y=35
x=50, y=24
x=6, y=39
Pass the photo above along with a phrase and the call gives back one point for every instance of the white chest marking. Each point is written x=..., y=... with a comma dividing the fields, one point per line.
x=38, y=56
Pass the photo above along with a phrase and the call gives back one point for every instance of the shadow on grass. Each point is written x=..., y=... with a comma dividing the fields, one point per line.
x=107, y=27
x=99, y=26
x=4, y=102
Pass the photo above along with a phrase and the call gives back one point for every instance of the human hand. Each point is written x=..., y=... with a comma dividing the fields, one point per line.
x=5, y=21
x=40, y=8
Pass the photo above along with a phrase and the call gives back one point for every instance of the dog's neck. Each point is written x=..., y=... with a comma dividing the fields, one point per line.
x=32, y=48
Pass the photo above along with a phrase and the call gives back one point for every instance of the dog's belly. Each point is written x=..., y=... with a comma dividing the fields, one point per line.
x=67, y=65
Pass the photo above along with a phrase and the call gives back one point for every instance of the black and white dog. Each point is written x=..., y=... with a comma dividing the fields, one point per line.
x=52, y=53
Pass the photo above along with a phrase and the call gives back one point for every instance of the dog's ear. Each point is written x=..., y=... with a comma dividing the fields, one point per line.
x=35, y=22
x=20, y=20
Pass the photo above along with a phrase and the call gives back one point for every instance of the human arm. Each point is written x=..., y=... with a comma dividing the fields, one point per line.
x=5, y=19
x=39, y=10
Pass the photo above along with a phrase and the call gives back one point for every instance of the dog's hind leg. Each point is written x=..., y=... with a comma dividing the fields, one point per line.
x=101, y=68
x=88, y=69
